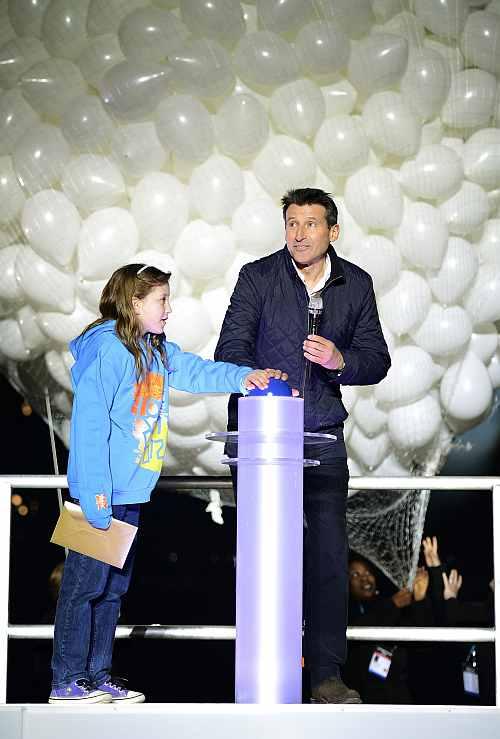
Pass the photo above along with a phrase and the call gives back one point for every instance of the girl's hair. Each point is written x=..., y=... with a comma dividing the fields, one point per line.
x=132, y=281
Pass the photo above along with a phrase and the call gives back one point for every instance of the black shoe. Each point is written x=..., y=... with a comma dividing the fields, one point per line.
x=333, y=690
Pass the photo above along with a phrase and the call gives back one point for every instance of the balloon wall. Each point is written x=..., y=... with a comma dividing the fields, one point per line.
x=166, y=132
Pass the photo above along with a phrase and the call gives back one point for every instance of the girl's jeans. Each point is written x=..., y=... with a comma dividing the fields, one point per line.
x=87, y=612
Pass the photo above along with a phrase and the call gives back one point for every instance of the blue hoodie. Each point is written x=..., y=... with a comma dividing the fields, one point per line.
x=119, y=426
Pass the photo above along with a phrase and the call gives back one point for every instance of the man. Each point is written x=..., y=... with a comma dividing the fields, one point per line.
x=266, y=325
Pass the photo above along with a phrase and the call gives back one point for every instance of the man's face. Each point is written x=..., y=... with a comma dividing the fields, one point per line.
x=308, y=234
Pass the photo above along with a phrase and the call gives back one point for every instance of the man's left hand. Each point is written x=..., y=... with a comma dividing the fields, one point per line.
x=322, y=351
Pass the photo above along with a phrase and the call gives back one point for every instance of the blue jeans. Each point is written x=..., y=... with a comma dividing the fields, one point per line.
x=87, y=612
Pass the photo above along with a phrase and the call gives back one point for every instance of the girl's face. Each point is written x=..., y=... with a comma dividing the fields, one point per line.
x=362, y=583
x=152, y=311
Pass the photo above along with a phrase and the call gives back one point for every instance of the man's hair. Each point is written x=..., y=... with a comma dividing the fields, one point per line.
x=311, y=196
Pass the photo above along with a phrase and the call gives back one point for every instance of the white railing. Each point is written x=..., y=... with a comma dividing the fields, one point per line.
x=428, y=634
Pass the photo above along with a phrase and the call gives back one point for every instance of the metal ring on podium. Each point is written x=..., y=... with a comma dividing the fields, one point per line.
x=269, y=544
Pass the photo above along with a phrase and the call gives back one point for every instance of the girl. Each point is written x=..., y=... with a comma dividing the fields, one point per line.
x=123, y=369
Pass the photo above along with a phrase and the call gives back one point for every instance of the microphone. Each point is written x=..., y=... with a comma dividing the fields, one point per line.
x=315, y=311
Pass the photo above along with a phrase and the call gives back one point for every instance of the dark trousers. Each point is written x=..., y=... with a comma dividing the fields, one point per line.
x=325, y=567
x=87, y=612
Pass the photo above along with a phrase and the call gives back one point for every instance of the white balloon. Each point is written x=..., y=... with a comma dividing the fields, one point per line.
x=444, y=18
x=151, y=35
x=466, y=390
x=480, y=41
x=380, y=257
x=63, y=328
x=221, y=20
x=89, y=292
x=340, y=98
x=435, y=173
x=369, y=450
x=410, y=377
x=405, y=305
x=413, y=426
x=450, y=53
x=284, y=163
x=16, y=117
x=86, y=125
x=216, y=188
x=258, y=226
x=17, y=56
x=132, y=90
x=471, y=99
x=392, y=467
x=241, y=126
x=204, y=252
x=64, y=27
x=189, y=418
x=369, y=417
x=385, y=9
x=426, y=83
x=137, y=150
x=488, y=246
x=240, y=259
x=188, y=325
x=26, y=16
x=467, y=210
x=408, y=26
x=160, y=207
x=422, y=235
x=265, y=60
x=341, y=145
x=100, y=54
x=482, y=157
x=484, y=341
x=390, y=124
x=203, y=69
x=40, y=157
x=51, y=85
x=11, y=196
x=44, y=285
x=377, y=62
x=93, y=182
x=33, y=338
x=51, y=223
x=215, y=301
x=457, y=271
x=444, y=331
x=374, y=198
x=494, y=370
x=322, y=49
x=298, y=108
x=283, y=16
x=108, y=238
x=355, y=17
x=11, y=340
x=184, y=125
x=10, y=289
x=106, y=17
x=482, y=301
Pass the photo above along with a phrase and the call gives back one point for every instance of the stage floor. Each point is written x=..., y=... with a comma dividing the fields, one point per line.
x=225, y=721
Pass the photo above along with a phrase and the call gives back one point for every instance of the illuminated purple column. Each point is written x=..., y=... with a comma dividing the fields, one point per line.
x=269, y=550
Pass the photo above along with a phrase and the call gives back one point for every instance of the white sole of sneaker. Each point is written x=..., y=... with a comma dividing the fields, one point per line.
x=135, y=699
x=73, y=701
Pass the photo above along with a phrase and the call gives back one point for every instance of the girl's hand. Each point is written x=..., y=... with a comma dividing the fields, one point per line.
x=260, y=379
x=420, y=584
x=452, y=584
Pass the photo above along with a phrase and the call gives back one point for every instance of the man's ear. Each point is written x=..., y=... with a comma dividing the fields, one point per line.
x=137, y=305
x=334, y=232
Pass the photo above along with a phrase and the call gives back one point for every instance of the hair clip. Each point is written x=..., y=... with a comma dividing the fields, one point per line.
x=142, y=269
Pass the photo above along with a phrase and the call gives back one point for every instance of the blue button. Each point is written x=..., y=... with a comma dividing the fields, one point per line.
x=275, y=387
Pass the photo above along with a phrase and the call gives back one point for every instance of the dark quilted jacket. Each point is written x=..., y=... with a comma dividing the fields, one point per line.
x=267, y=322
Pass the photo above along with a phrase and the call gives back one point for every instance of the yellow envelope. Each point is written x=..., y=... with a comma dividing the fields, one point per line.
x=74, y=532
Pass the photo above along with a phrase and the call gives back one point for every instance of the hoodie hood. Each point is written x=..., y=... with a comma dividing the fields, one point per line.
x=85, y=347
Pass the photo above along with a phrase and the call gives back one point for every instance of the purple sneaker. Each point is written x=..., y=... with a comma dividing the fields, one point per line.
x=79, y=691
x=116, y=688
